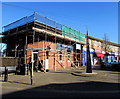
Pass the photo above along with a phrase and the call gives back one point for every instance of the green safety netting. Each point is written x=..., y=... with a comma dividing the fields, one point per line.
x=68, y=32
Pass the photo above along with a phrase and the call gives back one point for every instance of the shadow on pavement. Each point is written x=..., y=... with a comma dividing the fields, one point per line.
x=85, y=89
x=59, y=72
x=106, y=68
x=19, y=82
x=78, y=74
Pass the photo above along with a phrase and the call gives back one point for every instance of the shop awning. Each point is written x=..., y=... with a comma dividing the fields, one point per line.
x=99, y=55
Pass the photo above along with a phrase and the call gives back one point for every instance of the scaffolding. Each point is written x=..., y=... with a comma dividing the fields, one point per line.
x=48, y=23
x=36, y=28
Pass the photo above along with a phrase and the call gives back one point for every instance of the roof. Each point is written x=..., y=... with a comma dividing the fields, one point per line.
x=51, y=23
x=111, y=43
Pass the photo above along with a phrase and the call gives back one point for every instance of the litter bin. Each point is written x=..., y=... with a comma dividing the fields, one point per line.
x=102, y=65
x=22, y=69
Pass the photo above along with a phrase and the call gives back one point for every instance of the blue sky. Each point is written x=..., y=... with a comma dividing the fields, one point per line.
x=100, y=17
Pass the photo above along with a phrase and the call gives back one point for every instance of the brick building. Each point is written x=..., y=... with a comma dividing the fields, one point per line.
x=43, y=41
x=51, y=45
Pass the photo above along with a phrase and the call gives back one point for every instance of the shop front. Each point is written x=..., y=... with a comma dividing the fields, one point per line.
x=98, y=57
x=84, y=56
x=111, y=57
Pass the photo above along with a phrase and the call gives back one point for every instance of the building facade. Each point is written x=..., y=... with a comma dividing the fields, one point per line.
x=44, y=42
x=50, y=45
x=98, y=52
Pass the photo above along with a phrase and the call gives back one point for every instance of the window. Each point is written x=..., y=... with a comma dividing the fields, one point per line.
x=68, y=50
x=60, y=56
x=95, y=43
x=99, y=44
x=69, y=57
x=90, y=42
x=102, y=45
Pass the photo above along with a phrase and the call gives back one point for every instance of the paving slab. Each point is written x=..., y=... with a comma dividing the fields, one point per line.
x=66, y=82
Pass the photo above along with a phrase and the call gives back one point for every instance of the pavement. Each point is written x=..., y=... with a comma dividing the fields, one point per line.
x=69, y=82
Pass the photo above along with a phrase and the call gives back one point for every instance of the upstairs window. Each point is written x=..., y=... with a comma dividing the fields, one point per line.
x=60, y=56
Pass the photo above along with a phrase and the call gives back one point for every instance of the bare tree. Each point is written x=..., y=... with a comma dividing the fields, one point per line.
x=105, y=47
x=105, y=43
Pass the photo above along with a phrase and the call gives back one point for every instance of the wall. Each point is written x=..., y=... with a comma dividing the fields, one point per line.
x=54, y=56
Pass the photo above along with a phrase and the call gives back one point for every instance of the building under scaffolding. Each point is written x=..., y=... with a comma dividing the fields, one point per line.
x=43, y=42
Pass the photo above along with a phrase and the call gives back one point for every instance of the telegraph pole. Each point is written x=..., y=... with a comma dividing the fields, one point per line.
x=88, y=58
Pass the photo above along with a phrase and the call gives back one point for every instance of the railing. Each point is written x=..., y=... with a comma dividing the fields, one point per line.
x=66, y=31
x=47, y=21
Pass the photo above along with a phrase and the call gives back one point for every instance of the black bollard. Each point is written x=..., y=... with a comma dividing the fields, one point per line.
x=31, y=79
x=6, y=75
x=27, y=69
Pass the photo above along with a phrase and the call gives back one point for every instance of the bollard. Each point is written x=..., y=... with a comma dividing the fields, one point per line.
x=27, y=69
x=6, y=75
x=31, y=79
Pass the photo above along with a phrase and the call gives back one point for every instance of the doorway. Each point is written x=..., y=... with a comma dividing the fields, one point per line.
x=35, y=60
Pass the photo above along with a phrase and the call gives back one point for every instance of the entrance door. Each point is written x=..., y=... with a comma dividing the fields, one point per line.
x=35, y=56
x=35, y=59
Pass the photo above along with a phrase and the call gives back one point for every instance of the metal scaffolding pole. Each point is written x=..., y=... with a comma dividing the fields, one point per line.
x=26, y=41
x=16, y=43
x=55, y=46
x=81, y=54
x=32, y=53
x=45, y=58
x=25, y=53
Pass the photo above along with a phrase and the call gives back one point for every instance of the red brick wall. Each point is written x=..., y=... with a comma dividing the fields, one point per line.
x=53, y=56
